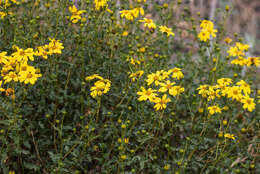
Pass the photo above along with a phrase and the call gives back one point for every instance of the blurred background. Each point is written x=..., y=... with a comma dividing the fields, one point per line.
x=244, y=19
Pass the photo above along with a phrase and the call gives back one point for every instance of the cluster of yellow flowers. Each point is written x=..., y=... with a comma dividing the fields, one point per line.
x=99, y=4
x=75, y=14
x=7, y=3
x=207, y=30
x=239, y=92
x=16, y=68
x=4, y=4
x=132, y=14
x=102, y=86
x=151, y=25
x=162, y=80
x=238, y=51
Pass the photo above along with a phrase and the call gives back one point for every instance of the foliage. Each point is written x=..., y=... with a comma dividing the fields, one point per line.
x=102, y=87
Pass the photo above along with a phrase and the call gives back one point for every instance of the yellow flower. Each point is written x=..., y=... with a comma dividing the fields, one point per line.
x=230, y=136
x=245, y=87
x=94, y=76
x=235, y=51
x=242, y=47
x=126, y=140
x=214, y=109
x=23, y=55
x=75, y=14
x=176, y=90
x=154, y=77
x=176, y=73
x=55, y=46
x=29, y=76
x=161, y=102
x=224, y=81
x=166, y=86
x=234, y=92
x=203, y=90
x=148, y=94
x=204, y=35
x=123, y=157
x=207, y=30
x=228, y=40
x=125, y=33
x=206, y=24
x=2, y=14
x=248, y=103
x=100, y=4
x=11, y=76
x=252, y=61
x=136, y=75
x=168, y=31
x=166, y=167
x=100, y=87
x=148, y=23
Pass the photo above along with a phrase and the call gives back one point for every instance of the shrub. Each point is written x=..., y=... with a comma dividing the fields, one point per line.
x=104, y=87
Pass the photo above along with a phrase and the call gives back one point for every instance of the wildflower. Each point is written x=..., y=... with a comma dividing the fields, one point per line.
x=136, y=75
x=213, y=93
x=29, y=76
x=166, y=86
x=176, y=73
x=225, y=108
x=123, y=126
x=230, y=136
x=2, y=14
x=245, y=87
x=224, y=81
x=227, y=40
x=201, y=110
x=235, y=51
x=125, y=33
x=126, y=140
x=166, y=167
x=252, y=61
x=123, y=157
x=94, y=76
x=204, y=36
x=55, y=46
x=214, y=109
x=207, y=30
x=161, y=102
x=203, y=90
x=11, y=76
x=248, y=103
x=234, y=92
x=146, y=94
x=224, y=122
x=100, y=87
x=168, y=31
x=206, y=24
x=176, y=90
x=148, y=23
x=242, y=47
x=23, y=55
x=100, y=4
x=75, y=14
x=154, y=77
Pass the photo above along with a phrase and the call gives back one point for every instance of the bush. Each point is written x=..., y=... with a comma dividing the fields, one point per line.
x=103, y=87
